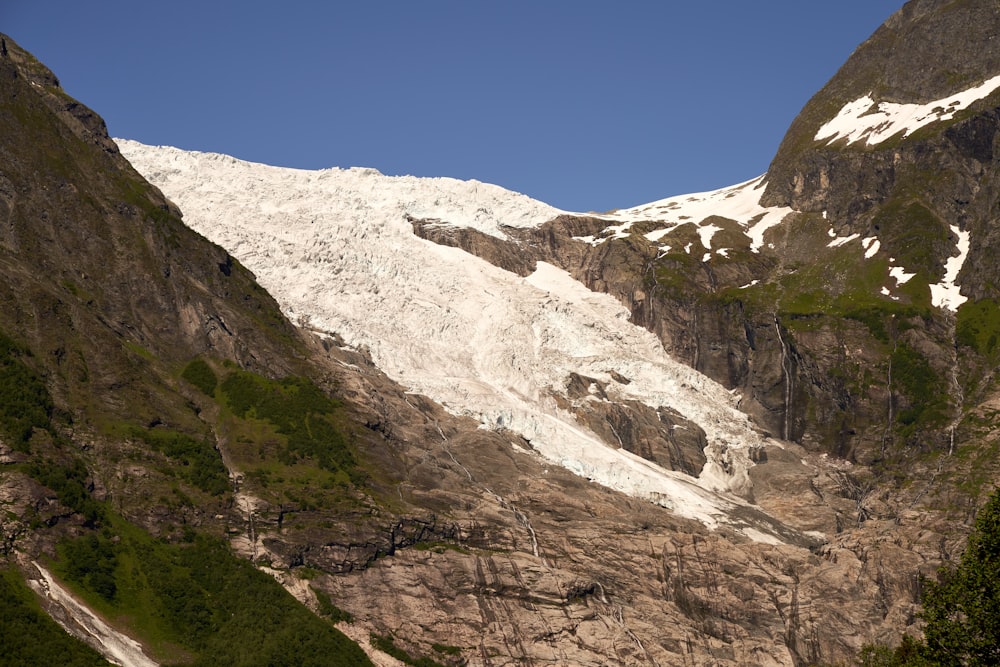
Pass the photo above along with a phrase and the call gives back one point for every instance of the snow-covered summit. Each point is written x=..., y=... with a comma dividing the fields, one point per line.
x=335, y=249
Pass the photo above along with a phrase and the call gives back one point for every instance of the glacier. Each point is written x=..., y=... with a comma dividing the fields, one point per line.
x=336, y=249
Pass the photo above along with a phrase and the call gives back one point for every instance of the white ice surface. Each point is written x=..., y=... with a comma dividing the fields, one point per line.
x=864, y=120
x=336, y=251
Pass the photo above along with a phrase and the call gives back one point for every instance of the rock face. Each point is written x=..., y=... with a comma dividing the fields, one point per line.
x=515, y=561
x=861, y=324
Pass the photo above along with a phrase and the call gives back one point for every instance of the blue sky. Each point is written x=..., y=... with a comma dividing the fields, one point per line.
x=583, y=104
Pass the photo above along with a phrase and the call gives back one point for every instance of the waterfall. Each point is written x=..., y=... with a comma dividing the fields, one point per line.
x=786, y=372
x=887, y=432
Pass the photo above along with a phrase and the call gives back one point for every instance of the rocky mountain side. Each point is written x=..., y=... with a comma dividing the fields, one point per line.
x=160, y=413
x=863, y=325
x=149, y=387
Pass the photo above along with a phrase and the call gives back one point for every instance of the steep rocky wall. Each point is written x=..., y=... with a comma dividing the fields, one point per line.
x=825, y=347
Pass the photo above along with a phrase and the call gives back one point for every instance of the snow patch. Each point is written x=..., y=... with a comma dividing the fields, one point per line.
x=739, y=202
x=947, y=294
x=871, y=245
x=900, y=274
x=706, y=232
x=864, y=120
x=841, y=240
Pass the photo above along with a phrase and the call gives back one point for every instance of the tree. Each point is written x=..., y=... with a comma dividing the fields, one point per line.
x=962, y=609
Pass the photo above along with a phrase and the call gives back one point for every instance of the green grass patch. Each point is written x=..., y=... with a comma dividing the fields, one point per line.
x=978, y=327
x=913, y=234
x=138, y=351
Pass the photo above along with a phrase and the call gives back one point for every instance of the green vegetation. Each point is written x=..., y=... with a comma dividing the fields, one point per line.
x=300, y=412
x=91, y=561
x=200, y=463
x=29, y=636
x=439, y=547
x=961, y=609
x=386, y=644
x=195, y=603
x=25, y=403
x=914, y=377
x=331, y=611
x=201, y=375
x=70, y=481
x=911, y=233
x=978, y=327
x=445, y=649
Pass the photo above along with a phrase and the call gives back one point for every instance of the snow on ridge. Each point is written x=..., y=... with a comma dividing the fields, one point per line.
x=333, y=247
x=740, y=202
x=864, y=120
x=472, y=203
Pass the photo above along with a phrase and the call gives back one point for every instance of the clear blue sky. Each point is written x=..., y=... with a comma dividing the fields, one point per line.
x=584, y=104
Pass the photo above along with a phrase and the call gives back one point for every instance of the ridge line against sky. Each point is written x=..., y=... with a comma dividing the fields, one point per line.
x=584, y=105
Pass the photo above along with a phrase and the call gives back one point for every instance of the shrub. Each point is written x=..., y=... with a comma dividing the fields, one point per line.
x=201, y=375
x=961, y=609
x=198, y=596
x=300, y=411
x=25, y=403
x=199, y=462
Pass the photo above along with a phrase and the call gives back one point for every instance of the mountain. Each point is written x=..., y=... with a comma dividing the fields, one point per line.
x=725, y=428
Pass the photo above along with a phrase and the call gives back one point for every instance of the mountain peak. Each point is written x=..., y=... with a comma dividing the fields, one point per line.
x=927, y=52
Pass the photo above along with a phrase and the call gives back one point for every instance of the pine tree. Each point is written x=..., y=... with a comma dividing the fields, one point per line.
x=962, y=609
